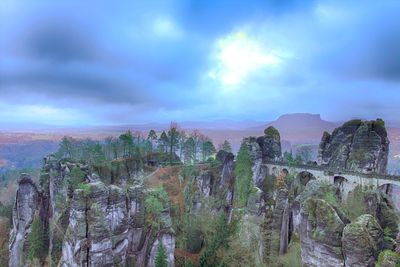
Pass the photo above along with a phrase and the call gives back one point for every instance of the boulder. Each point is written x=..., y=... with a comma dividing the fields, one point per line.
x=362, y=241
x=320, y=234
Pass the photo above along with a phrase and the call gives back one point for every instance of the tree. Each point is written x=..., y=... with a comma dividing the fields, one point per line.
x=244, y=175
x=181, y=143
x=76, y=176
x=173, y=138
x=197, y=136
x=163, y=142
x=98, y=155
x=66, y=147
x=127, y=142
x=36, y=240
x=288, y=156
x=222, y=231
x=305, y=152
x=161, y=256
x=226, y=146
x=208, y=149
x=152, y=137
x=189, y=150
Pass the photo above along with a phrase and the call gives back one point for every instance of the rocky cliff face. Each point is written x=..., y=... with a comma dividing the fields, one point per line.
x=25, y=209
x=218, y=185
x=320, y=234
x=362, y=240
x=361, y=146
x=92, y=225
x=329, y=238
x=107, y=228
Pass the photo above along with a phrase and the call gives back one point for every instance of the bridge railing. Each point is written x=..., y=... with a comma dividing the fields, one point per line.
x=335, y=172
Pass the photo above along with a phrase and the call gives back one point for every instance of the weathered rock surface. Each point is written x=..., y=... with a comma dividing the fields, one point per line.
x=320, y=234
x=379, y=205
x=256, y=154
x=270, y=144
x=217, y=184
x=361, y=146
x=25, y=208
x=281, y=220
x=362, y=241
x=91, y=225
x=107, y=227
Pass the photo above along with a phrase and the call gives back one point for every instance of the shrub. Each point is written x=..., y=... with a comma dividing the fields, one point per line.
x=76, y=177
x=85, y=188
x=292, y=258
x=354, y=206
x=388, y=258
x=155, y=202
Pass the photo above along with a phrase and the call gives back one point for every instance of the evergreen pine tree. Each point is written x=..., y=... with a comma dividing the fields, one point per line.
x=244, y=175
x=161, y=257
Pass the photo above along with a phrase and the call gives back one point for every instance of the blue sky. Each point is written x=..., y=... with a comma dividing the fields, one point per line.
x=83, y=63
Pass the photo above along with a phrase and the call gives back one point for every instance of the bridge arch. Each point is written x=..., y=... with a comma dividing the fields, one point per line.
x=301, y=180
x=342, y=185
x=275, y=171
x=304, y=177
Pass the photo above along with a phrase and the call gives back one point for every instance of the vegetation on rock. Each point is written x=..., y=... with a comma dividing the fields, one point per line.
x=244, y=174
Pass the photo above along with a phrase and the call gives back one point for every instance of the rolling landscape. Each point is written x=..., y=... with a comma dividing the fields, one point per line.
x=185, y=133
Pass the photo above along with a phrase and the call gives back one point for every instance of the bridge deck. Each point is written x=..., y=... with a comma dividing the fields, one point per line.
x=330, y=171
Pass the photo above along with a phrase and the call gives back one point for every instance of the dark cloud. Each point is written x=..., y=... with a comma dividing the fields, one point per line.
x=222, y=16
x=367, y=47
x=78, y=85
x=58, y=42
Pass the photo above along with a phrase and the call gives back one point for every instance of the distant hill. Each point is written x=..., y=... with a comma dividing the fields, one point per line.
x=300, y=127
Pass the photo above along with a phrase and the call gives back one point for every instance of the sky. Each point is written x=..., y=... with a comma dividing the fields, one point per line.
x=84, y=63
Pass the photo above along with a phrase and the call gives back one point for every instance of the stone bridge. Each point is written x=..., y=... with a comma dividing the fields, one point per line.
x=346, y=180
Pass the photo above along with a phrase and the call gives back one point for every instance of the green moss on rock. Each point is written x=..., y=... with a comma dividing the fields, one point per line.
x=273, y=133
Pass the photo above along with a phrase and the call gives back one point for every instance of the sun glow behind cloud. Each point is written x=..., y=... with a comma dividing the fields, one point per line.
x=238, y=56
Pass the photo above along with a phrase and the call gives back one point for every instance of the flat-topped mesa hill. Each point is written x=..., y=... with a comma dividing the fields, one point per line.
x=361, y=146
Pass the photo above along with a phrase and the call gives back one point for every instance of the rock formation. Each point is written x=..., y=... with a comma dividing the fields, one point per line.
x=362, y=241
x=102, y=226
x=270, y=144
x=320, y=234
x=327, y=236
x=361, y=146
x=25, y=209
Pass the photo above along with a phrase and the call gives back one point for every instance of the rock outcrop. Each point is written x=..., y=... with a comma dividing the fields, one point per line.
x=107, y=227
x=26, y=209
x=362, y=241
x=321, y=231
x=361, y=146
x=270, y=144
x=88, y=222
x=257, y=158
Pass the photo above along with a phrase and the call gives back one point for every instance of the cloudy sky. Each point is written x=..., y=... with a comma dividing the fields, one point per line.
x=86, y=63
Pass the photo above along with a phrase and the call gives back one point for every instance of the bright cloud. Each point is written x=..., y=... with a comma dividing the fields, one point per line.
x=165, y=27
x=39, y=114
x=238, y=56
